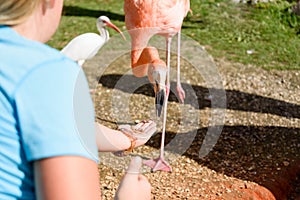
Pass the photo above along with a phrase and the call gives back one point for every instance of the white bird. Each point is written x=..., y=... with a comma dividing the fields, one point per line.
x=86, y=46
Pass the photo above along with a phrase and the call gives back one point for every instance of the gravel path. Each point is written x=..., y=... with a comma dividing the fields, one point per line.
x=257, y=154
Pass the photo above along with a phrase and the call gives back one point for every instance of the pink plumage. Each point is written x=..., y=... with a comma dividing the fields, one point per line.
x=145, y=18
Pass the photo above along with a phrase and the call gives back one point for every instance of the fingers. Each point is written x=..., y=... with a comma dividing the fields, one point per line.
x=142, y=124
x=151, y=128
x=138, y=126
x=124, y=126
x=135, y=165
x=134, y=186
x=145, y=126
x=142, y=131
x=132, y=174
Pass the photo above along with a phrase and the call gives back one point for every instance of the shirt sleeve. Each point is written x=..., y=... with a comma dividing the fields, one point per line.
x=55, y=112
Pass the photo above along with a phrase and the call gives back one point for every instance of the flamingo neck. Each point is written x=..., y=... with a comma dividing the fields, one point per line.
x=141, y=59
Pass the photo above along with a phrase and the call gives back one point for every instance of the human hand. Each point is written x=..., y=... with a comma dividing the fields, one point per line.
x=134, y=186
x=142, y=132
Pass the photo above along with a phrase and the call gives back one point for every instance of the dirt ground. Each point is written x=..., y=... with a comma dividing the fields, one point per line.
x=237, y=136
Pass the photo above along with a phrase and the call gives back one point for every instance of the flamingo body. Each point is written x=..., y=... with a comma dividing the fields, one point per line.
x=165, y=15
x=143, y=19
x=151, y=17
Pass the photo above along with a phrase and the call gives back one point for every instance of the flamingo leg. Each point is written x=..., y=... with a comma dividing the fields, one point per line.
x=160, y=163
x=180, y=91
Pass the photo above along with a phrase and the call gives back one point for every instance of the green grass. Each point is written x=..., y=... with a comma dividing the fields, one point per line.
x=230, y=30
x=227, y=30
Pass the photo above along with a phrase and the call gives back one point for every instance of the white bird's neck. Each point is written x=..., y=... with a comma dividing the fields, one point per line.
x=104, y=33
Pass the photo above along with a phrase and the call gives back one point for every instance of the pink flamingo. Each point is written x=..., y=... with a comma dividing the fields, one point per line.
x=145, y=18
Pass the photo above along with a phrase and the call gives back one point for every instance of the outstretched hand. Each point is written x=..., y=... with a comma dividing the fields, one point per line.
x=134, y=186
x=142, y=131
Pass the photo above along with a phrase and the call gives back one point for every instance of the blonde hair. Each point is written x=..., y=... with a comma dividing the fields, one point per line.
x=14, y=12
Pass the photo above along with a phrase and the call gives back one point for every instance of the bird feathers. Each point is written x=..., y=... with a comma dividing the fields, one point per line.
x=167, y=16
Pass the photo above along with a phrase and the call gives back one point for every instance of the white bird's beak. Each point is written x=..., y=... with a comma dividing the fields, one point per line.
x=111, y=25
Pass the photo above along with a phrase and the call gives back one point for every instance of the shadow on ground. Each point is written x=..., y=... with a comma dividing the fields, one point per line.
x=250, y=153
x=80, y=12
x=236, y=100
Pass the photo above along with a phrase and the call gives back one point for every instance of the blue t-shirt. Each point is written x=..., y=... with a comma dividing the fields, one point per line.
x=45, y=111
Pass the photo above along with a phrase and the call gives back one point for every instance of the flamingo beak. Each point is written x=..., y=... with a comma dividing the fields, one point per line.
x=111, y=25
x=157, y=77
x=160, y=95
